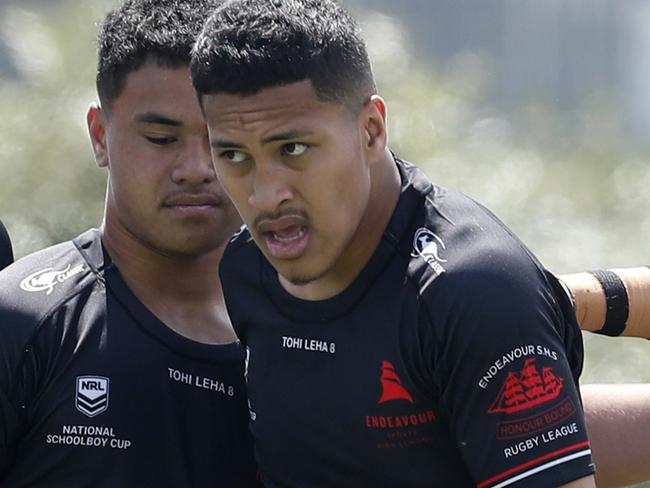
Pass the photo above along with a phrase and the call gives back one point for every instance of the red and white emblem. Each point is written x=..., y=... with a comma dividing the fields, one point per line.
x=528, y=388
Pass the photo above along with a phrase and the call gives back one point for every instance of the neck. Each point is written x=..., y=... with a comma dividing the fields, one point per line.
x=183, y=291
x=384, y=194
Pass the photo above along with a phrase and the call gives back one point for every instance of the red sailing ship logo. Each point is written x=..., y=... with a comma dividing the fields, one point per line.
x=391, y=385
x=526, y=389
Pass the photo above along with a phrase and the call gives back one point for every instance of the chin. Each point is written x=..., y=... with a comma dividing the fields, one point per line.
x=194, y=247
x=300, y=278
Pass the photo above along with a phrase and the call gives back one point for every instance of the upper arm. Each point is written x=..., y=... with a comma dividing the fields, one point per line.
x=618, y=428
x=586, y=482
x=509, y=391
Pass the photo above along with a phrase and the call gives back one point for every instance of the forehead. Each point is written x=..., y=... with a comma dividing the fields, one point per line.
x=154, y=88
x=269, y=109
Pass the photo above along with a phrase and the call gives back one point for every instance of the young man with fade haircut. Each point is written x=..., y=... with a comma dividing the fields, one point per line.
x=120, y=367
x=398, y=333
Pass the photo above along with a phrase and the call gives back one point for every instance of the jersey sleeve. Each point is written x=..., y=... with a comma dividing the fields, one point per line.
x=11, y=345
x=508, y=366
x=9, y=427
x=24, y=305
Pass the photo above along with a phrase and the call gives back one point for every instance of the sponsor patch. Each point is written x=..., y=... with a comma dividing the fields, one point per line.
x=46, y=279
x=429, y=246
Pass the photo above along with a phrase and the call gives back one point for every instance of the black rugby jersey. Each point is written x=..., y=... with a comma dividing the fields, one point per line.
x=452, y=359
x=96, y=391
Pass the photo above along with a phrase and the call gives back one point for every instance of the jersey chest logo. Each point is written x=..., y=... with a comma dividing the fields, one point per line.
x=391, y=385
x=397, y=421
x=91, y=397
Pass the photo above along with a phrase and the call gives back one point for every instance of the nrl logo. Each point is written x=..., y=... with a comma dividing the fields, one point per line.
x=428, y=245
x=46, y=279
x=91, y=398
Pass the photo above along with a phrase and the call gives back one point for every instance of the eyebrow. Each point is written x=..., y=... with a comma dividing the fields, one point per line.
x=155, y=118
x=283, y=136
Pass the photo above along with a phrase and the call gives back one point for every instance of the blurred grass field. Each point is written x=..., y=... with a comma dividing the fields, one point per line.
x=577, y=194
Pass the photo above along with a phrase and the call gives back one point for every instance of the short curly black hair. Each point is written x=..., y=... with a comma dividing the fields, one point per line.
x=248, y=45
x=140, y=30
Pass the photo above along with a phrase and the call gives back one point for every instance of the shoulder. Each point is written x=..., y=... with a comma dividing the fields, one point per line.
x=459, y=247
x=464, y=256
x=480, y=289
x=240, y=254
x=35, y=286
x=239, y=240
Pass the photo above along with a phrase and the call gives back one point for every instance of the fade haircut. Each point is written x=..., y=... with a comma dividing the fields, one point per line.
x=141, y=30
x=249, y=45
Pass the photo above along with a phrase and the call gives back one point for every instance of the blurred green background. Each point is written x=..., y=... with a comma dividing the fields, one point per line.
x=536, y=109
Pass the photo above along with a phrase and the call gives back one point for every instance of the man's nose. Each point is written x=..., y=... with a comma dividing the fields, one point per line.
x=272, y=186
x=194, y=165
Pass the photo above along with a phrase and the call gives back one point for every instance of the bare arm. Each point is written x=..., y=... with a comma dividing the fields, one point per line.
x=591, y=303
x=586, y=482
x=618, y=421
x=617, y=415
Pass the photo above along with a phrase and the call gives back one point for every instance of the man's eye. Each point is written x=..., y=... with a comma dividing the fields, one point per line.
x=295, y=148
x=161, y=140
x=233, y=156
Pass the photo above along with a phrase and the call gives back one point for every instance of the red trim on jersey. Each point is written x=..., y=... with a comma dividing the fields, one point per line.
x=538, y=460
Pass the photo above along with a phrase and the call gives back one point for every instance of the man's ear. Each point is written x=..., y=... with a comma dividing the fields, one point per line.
x=374, y=120
x=96, y=120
